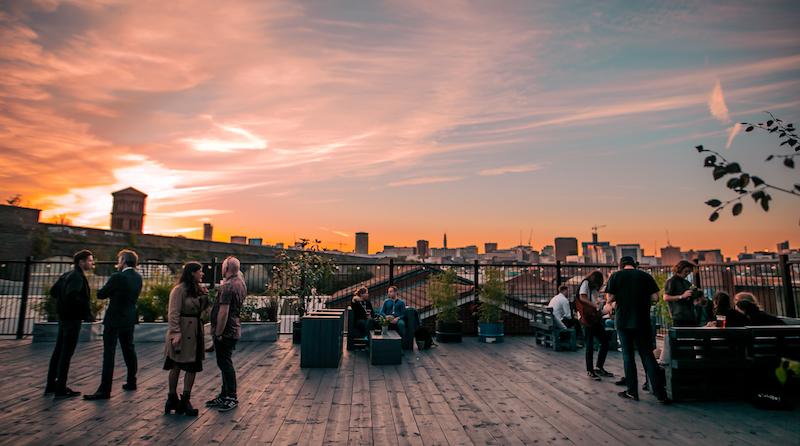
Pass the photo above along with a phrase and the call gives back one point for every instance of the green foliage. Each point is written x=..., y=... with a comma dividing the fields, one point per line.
x=662, y=307
x=47, y=306
x=252, y=311
x=744, y=183
x=299, y=277
x=96, y=306
x=443, y=293
x=153, y=304
x=492, y=297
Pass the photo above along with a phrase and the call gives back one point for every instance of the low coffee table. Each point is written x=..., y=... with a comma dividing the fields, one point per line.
x=386, y=349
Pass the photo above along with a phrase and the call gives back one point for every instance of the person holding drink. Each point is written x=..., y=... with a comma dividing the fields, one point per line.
x=726, y=316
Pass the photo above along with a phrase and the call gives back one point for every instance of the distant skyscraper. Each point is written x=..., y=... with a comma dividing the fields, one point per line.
x=208, y=232
x=445, y=241
x=566, y=246
x=422, y=248
x=783, y=248
x=239, y=239
x=362, y=243
x=128, y=211
x=670, y=256
x=489, y=247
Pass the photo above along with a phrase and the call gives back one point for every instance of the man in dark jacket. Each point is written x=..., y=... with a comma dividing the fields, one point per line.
x=122, y=290
x=71, y=292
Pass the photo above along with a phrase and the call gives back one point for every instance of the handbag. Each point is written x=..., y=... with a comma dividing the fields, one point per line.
x=590, y=316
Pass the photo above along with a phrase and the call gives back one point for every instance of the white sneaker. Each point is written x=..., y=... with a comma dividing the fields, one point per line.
x=229, y=404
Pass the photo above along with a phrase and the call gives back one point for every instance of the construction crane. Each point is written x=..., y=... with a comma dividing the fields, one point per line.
x=594, y=232
x=337, y=243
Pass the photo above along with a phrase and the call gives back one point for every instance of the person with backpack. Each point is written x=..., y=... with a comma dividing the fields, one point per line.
x=591, y=318
x=71, y=292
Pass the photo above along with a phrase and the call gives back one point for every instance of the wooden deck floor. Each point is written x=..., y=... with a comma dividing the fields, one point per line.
x=453, y=394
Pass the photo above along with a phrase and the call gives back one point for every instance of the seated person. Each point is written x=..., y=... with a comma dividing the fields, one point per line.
x=561, y=311
x=610, y=311
x=722, y=307
x=394, y=309
x=362, y=311
x=755, y=315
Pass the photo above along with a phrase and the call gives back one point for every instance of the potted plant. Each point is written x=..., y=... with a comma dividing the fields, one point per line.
x=48, y=331
x=298, y=278
x=443, y=293
x=492, y=296
x=259, y=319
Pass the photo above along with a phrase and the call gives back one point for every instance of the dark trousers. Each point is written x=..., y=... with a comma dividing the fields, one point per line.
x=365, y=325
x=599, y=333
x=110, y=337
x=641, y=338
x=224, y=350
x=66, y=342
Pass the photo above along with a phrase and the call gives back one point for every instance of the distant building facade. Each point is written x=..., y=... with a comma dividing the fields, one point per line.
x=127, y=213
x=670, y=255
x=239, y=239
x=489, y=247
x=566, y=246
x=362, y=243
x=422, y=248
x=208, y=232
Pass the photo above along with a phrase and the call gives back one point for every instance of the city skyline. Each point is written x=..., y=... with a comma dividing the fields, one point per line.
x=405, y=120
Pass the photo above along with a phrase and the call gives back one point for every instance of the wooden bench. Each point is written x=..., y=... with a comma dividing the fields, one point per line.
x=547, y=332
x=707, y=363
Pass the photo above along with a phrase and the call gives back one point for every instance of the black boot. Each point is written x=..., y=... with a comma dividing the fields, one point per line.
x=186, y=407
x=172, y=403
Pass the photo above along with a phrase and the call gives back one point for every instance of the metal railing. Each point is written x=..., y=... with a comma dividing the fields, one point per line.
x=24, y=285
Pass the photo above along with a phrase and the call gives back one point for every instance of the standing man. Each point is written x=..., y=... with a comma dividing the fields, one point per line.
x=226, y=327
x=71, y=292
x=394, y=309
x=122, y=290
x=633, y=291
x=680, y=296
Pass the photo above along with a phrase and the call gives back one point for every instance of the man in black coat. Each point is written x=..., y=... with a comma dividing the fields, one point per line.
x=122, y=290
x=71, y=291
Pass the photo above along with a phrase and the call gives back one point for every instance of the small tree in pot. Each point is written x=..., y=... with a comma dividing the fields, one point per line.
x=443, y=293
x=492, y=298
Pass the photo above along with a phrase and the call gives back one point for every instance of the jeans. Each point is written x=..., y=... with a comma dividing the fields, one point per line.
x=400, y=327
x=600, y=334
x=110, y=337
x=365, y=325
x=66, y=342
x=641, y=338
x=224, y=350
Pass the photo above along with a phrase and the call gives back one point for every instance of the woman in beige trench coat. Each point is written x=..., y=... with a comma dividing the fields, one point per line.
x=184, y=348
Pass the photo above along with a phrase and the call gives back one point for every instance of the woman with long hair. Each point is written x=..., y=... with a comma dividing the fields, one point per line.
x=185, y=341
x=588, y=293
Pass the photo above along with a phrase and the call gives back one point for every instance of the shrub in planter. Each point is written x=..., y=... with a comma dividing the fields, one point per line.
x=492, y=297
x=153, y=304
x=443, y=293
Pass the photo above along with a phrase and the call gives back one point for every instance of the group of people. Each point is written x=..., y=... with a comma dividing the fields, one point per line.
x=184, y=348
x=393, y=309
x=630, y=293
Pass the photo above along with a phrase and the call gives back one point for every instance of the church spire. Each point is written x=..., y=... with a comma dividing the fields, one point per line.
x=445, y=240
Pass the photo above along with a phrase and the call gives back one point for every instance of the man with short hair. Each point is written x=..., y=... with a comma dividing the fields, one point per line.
x=394, y=309
x=226, y=327
x=561, y=311
x=634, y=291
x=122, y=290
x=72, y=294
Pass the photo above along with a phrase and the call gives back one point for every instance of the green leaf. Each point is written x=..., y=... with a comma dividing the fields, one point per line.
x=733, y=168
x=749, y=129
x=769, y=123
x=699, y=148
x=797, y=186
x=714, y=216
x=719, y=172
x=745, y=179
x=770, y=157
x=788, y=162
x=711, y=160
x=713, y=203
x=737, y=209
x=757, y=181
x=733, y=183
x=765, y=202
x=792, y=142
x=758, y=195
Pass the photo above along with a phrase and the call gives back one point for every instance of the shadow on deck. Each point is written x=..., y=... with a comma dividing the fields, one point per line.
x=453, y=394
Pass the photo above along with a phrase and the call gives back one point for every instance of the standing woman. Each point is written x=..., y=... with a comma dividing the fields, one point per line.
x=588, y=295
x=184, y=347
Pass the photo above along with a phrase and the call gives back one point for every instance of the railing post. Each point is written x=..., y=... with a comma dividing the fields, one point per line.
x=23, y=303
x=213, y=273
x=477, y=273
x=558, y=274
x=391, y=272
x=788, y=289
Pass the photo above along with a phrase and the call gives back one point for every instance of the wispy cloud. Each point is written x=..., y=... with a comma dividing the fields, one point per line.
x=733, y=131
x=424, y=181
x=716, y=104
x=511, y=169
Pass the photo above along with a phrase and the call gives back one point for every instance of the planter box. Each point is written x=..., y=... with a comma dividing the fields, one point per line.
x=48, y=332
x=251, y=332
x=150, y=332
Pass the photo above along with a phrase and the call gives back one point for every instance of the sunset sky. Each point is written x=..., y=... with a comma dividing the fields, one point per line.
x=404, y=119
